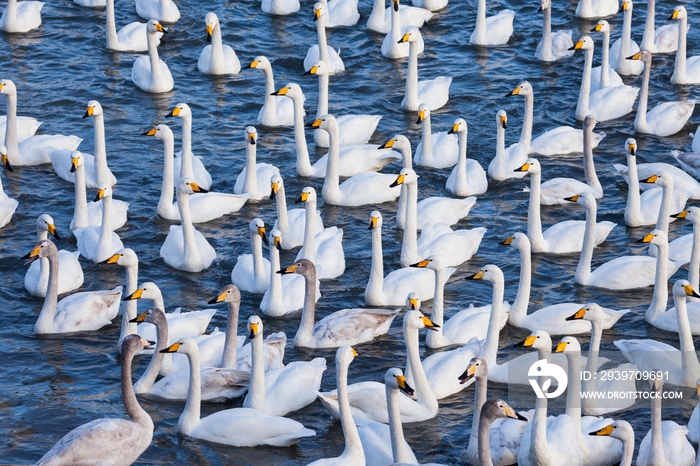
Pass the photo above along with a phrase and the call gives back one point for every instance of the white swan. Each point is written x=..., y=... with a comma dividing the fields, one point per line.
x=468, y=323
x=361, y=189
x=96, y=169
x=625, y=46
x=100, y=242
x=347, y=326
x=596, y=8
x=558, y=141
x=393, y=289
x=681, y=367
x=240, y=427
x=686, y=70
x=553, y=319
x=7, y=204
x=165, y=11
x=151, y=74
x=436, y=150
x=606, y=103
x=255, y=177
x=618, y=379
x=252, y=271
x=504, y=163
x=286, y=292
x=116, y=441
x=185, y=248
x=217, y=58
x=189, y=165
x=552, y=47
x=434, y=93
x=90, y=215
x=327, y=53
x=34, y=150
x=352, y=158
x=324, y=249
x=341, y=13
x=130, y=38
x=70, y=273
x=354, y=129
x=392, y=45
x=367, y=399
x=604, y=75
x=291, y=223
x=280, y=7
x=663, y=39
x=380, y=18
x=621, y=430
x=494, y=30
x=276, y=111
x=21, y=16
x=468, y=177
x=280, y=391
x=666, y=118
x=556, y=190
x=78, y=312
x=204, y=206
x=563, y=237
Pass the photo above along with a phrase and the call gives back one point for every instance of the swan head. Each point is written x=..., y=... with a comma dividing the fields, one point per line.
x=524, y=88
x=133, y=344
x=184, y=346
x=539, y=340
x=656, y=237
x=586, y=199
x=154, y=27
x=44, y=248
x=319, y=69
x=423, y=113
x=5, y=158
x=544, y=5
x=326, y=122
x=491, y=273
x=261, y=63
x=276, y=239
x=502, y=119
x=531, y=166
x=319, y=11
x=251, y=135
x=308, y=194
x=434, y=262
x=212, y=22
x=255, y=326
x=257, y=228
x=602, y=26
x=589, y=123
x=519, y=241
x=395, y=380
x=412, y=302
x=406, y=176
x=45, y=223
x=584, y=43
x=690, y=213
x=375, y=220
x=411, y=34
x=188, y=186
x=496, y=408
x=148, y=290
x=302, y=267
x=568, y=345
x=477, y=368
x=152, y=315
x=663, y=178
x=396, y=5
x=344, y=356
x=93, y=109
x=7, y=87
x=291, y=90
x=643, y=55
x=76, y=160
x=459, y=126
x=679, y=13
x=181, y=110
x=228, y=294
x=276, y=184
x=591, y=312
x=682, y=289
x=416, y=320
x=125, y=257
x=621, y=430
x=104, y=191
x=626, y=5
x=631, y=147
x=399, y=142
x=160, y=132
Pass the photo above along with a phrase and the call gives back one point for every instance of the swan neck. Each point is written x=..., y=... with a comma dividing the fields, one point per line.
x=306, y=326
x=656, y=452
x=589, y=385
x=625, y=39
x=395, y=32
x=145, y=383
x=309, y=246
x=323, y=84
x=584, y=92
x=353, y=444
x=518, y=311
x=165, y=203
x=409, y=246
x=662, y=220
x=45, y=322
x=398, y=445
x=679, y=66
x=112, y=38
x=270, y=100
x=641, y=119
x=331, y=185
x=546, y=50
x=480, y=28
x=230, y=356
x=427, y=142
x=694, y=266
x=411, y=92
x=375, y=284
x=573, y=391
x=191, y=415
x=256, y=392
x=483, y=441
x=461, y=175
x=282, y=215
x=186, y=170
x=588, y=163
x=648, y=37
x=526, y=133
x=304, y=167
x=133, y=409
x=258, y=259
x=605, y=62
x=660, y=296
x=276, y=298
x=634, y=201
x=131, y=306
x=479, y=401
x=499, y=161
x=11, y=138
x=80, y=210
x=322, y=42
x=105, y=241
x=156, y=71
x=534, y=219
x=583, y=270
x=190, y=249
x=490, y=346
x=250, y=184
x=217, y=48
x=424, y=394
x=101, y=169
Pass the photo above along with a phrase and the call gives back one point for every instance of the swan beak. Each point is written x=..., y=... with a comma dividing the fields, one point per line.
x=175, y=112
x=508, y=241
x=303, y=197
x=388, y=145
x=646, y=239
x=316, y=123
x=317, y=14
x=172, y=348
x=251, y=138
x=573, y=198
x=597, y=28
x=160, y=28
x=468, y=374
x=399, y=180
x=354, y=353
x=210, y=29
x=111, y=260
x=150, y=132
x=605, y=431
x=6, y=161
x=539, y=10
x=422, y=264
x=690, y=292
x=52, y=229
x=429, y=324
x=526, y=343
x=561, y=347
x=253, y=331
x=135, y=295
x=261, y=233
x=674, y=15
x=651, y=179
x=32, y=256
x=373, y=221
x=636, y=56
x=196, y=189
x=577, y=45
x=682, y=214
x=254, y=64
x=277, y=242
x=312, y=70
x=623, y=7
x=477, y=276
x=291, y=269
x=100, y=195
x=282, y=91
x=454, y=129
x=140, y=318
x=413, y=304
x=403, y=385
x=404, y=39
x=396, y=5
x=504, y=122
x=510, y=412
x=633, y=149
x=523, y=168
x=219, y=299
x=515, y=91
x=89, y=112
x=578, y=315
x=421, y=116
x=274, y=187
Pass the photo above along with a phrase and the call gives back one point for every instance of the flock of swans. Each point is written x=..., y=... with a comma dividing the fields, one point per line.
x=191, y=363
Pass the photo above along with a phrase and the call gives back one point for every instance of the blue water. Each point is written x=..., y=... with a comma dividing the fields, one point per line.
x=51, y=385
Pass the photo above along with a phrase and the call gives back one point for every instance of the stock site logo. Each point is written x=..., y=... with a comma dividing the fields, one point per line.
x=544, y=369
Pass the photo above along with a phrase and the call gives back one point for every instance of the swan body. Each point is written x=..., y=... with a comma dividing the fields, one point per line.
x=165, y=11
x=666, y=118
x=21, y=16
x=217, y=58
x=70, y=273
x=494, y=30
x=558, y=141
x=563, y=237
x=467, y=178
x=686, y=70
x=663, y=39
x=7, y=204
x=130, y=38
x=99, y=243
x=185, y=248
x=596, y=8
x=255, y=177
x=505, y=162
x=555, y=46
x=109, y=441
x=380, y=18
x=280, y=7
x=341, y=13
x=252, y=271
x=291, y=223
x=78, y=312
x=392, y=45
x=322, y=51
x=151, y=74
x=241, y=427
x=347, y=326
x=625, y=46
x=437, y=150
x=277, y=111
x=434, y=93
